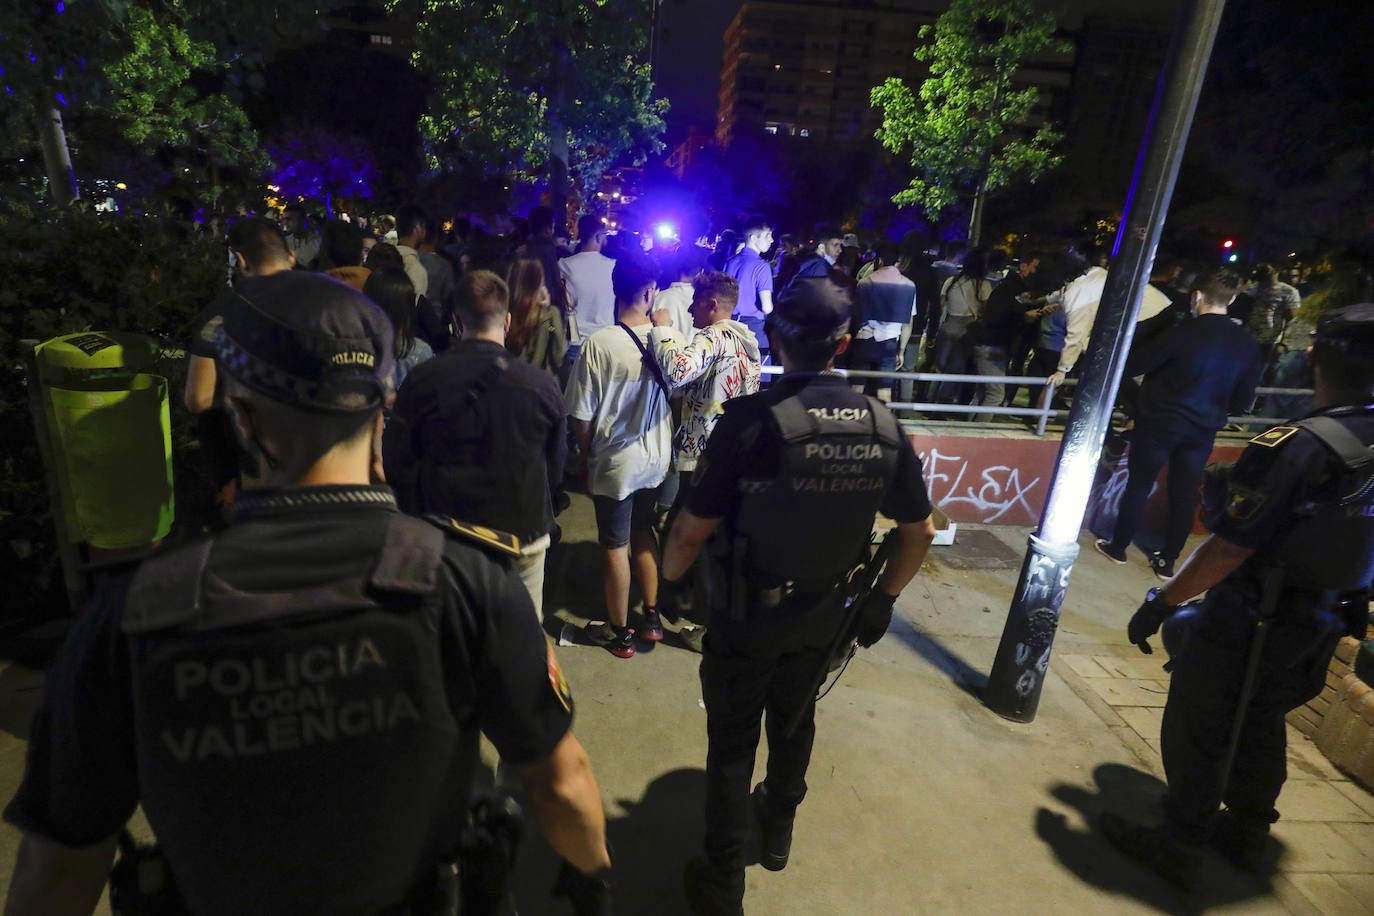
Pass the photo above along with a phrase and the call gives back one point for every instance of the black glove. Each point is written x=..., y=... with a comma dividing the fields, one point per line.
x=874, y=617
x=589, y=895
x=1147, y=621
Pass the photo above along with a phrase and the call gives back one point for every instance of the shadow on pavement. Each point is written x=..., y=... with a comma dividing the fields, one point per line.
x=651, y=843
x=963, y=675
x=1087, y=853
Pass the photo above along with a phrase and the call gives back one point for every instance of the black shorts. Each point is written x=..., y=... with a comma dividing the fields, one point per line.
x=615, y=518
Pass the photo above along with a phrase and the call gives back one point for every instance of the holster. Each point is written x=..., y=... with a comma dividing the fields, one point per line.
x=141, y=883
x=486, y=855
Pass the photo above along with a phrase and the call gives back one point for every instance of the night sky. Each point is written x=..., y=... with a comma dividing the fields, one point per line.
x=689, y=57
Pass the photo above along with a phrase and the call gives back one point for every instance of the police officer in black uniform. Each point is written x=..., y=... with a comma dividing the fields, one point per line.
x=296, y=702
x=787, y=492
x=1289, y=562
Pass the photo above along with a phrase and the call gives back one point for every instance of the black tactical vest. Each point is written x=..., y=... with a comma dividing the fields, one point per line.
x=1331, y=547
x=812, y=522
x=321, y=711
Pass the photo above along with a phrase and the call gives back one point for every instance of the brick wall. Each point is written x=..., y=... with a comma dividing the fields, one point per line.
x=1341, y=719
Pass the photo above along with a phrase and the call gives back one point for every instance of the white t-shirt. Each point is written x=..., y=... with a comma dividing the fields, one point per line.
x=632, y=428
x=590, y=297
x=1151, y=303
x=965, y=296
x=419, y=277
x=677, y=299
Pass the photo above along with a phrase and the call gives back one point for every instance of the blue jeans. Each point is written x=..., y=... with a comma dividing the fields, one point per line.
x=872, y=355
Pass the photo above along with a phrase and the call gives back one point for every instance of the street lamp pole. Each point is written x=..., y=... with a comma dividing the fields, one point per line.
x=1023, y=655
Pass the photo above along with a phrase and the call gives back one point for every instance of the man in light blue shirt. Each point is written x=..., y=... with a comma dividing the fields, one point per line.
x=755, y=278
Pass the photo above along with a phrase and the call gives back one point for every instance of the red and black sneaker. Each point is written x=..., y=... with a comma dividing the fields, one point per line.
x=623, y=645
x=653, y=627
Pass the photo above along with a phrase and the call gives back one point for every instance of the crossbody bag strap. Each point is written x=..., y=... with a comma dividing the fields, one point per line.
x=649, y=361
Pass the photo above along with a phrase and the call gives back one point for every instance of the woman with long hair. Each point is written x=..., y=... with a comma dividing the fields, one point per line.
x=962, y=298
x=393, y=292
x=536, y=328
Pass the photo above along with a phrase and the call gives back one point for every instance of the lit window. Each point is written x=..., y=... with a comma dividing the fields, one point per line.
x=771, y=129
x=381, y=39
x=805, y=132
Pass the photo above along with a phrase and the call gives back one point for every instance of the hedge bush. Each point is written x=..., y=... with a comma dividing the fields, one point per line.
x=74, y=270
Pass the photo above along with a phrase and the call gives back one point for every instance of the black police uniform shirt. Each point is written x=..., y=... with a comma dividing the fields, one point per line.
x=1278, y=473
x=745, y=446
x=307, y=764
x=478, y=434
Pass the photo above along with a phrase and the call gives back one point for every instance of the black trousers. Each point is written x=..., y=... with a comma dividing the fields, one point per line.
x=739, y=688
x=1151, y=448
x=1207, y=677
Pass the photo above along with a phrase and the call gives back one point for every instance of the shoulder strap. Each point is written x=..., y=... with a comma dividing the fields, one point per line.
x=885, y=425
x=486, y=378
x=793, y=421
x=1353, y=454
x=178, y=591
x=648, y=361
x=166, y=591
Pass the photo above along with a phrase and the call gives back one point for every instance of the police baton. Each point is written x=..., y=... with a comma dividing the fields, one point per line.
x=1273, y=581
x=856, y=591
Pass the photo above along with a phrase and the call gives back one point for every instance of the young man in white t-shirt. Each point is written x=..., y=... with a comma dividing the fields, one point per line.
x=586, y=278
x=620, y=415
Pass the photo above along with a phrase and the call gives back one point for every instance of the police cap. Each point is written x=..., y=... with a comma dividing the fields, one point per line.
x=1349, y=329
x=812, y=308
x=307, y=341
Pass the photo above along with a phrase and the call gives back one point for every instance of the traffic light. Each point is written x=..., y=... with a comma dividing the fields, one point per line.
x=1228, y=244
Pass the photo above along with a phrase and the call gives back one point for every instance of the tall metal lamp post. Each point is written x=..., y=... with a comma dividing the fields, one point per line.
x=1023, y=655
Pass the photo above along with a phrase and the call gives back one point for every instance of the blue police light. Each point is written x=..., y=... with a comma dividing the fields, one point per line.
x=666, y=230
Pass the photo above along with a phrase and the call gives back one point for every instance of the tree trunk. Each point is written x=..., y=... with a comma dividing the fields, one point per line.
x=558, y=135
x=975, y=223
x=57, y=159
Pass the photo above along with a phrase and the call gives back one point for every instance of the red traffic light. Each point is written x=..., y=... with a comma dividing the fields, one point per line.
x=1228, y=244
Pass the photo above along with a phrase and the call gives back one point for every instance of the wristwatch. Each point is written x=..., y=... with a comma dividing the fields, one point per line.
x=1155, y=596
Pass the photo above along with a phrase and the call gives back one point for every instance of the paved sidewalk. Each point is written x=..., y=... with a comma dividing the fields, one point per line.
x=921, y=800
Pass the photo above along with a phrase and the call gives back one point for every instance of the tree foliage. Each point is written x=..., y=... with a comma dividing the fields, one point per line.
x=506, y=74
x=965, y=130
x=166, y=94
x=169, y=75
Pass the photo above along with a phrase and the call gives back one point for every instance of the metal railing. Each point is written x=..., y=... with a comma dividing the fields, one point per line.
x=1042, y=414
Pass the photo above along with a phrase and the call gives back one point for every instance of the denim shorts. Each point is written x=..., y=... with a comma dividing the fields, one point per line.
x=616, y=517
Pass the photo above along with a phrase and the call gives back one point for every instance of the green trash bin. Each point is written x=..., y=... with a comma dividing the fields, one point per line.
x=109, y=439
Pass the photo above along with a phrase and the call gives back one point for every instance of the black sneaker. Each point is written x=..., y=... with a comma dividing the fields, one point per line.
x=708, y=895
x=1163, y=567
x=653, y=627
x=775, y=832
x=1160, y=849
x=619, y=641
x=623, y=646
x=1104, y=547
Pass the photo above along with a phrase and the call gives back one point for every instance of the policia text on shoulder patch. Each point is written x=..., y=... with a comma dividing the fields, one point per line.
x=1275, y=437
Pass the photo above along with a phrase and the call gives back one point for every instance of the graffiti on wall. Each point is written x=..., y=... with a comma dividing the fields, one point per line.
x=968, y=489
